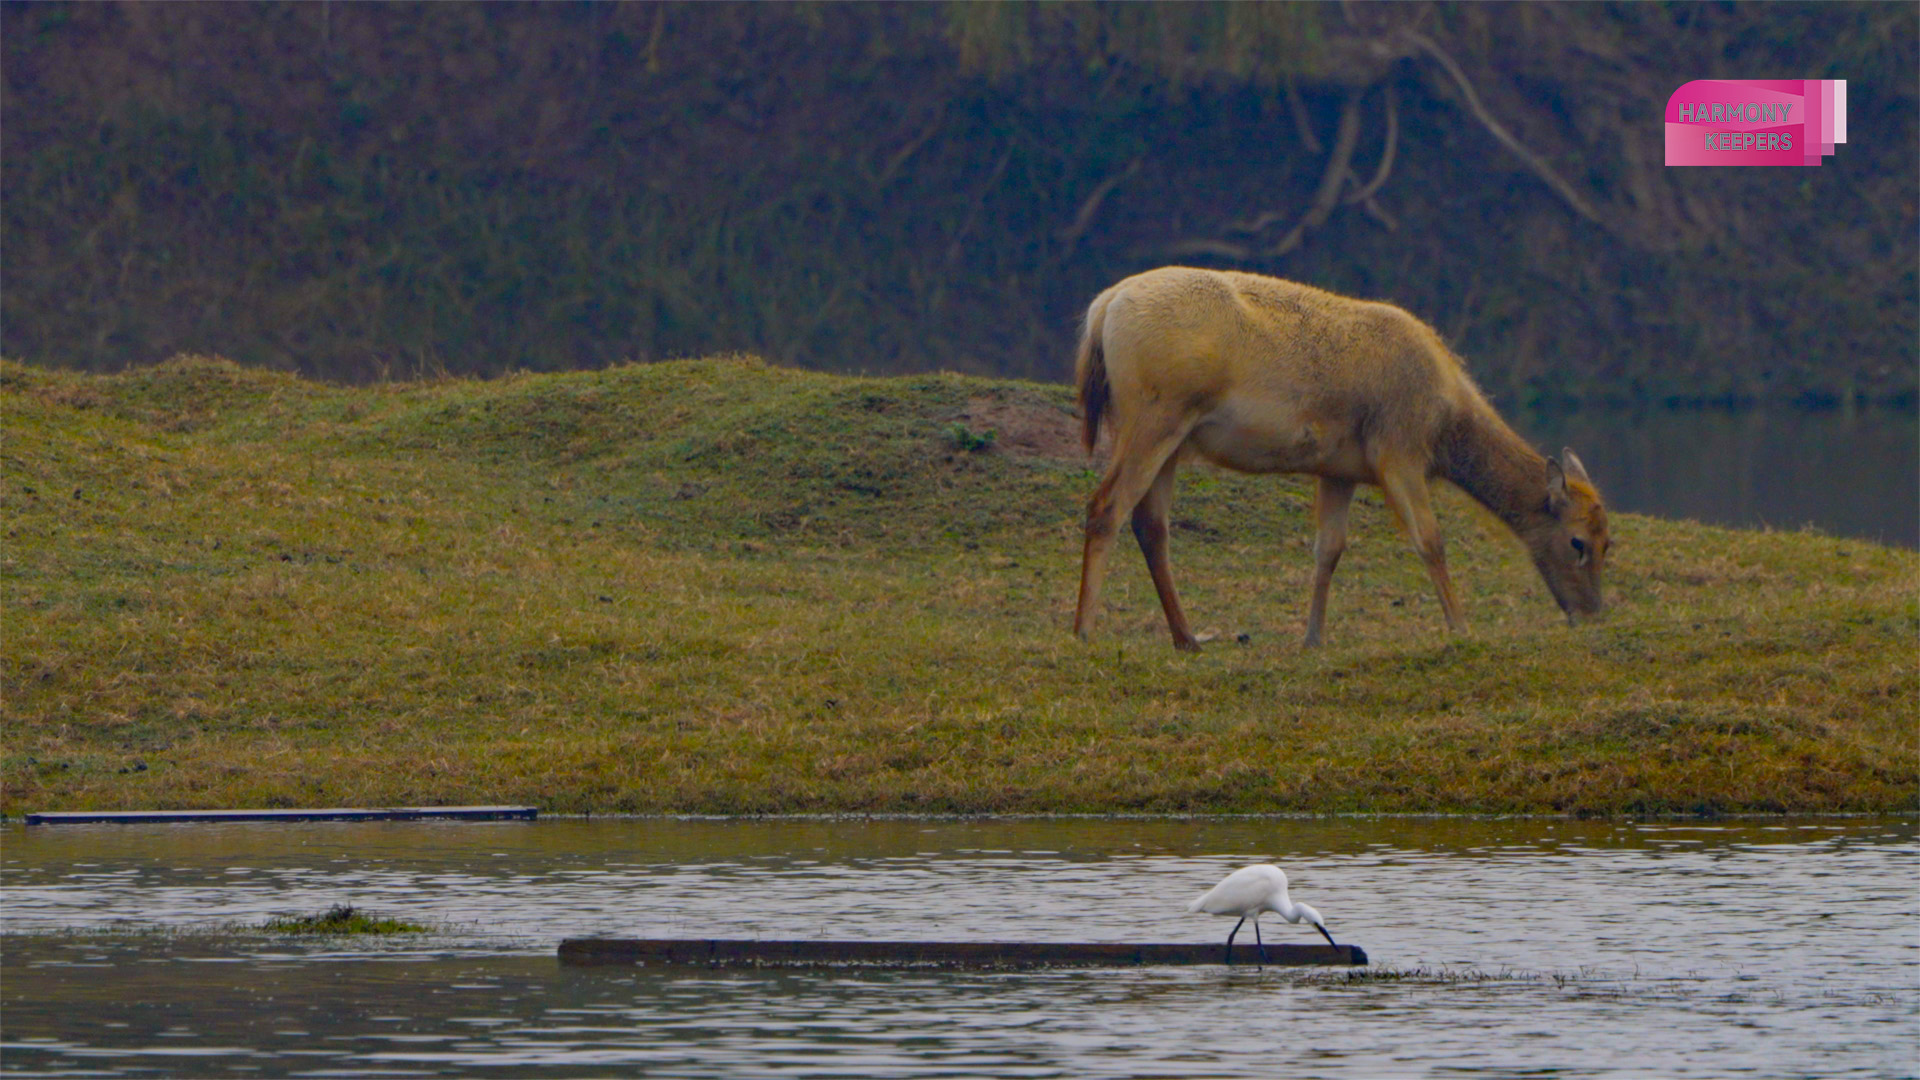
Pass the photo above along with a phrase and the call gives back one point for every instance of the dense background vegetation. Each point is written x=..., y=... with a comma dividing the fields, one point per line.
x=357, y=191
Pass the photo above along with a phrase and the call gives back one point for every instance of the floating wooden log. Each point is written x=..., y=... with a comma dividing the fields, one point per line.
x=965, y=954
x=378, y=813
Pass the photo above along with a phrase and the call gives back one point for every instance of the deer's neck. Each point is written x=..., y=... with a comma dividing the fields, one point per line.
x=1483, y=457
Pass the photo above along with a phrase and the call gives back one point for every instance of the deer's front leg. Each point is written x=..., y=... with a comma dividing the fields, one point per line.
x=1406, y=493
x=1331, y=498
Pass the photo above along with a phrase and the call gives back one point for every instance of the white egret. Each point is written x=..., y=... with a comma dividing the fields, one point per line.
x=1251, y=890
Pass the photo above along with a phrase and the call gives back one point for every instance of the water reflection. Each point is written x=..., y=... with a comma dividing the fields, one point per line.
x=1764, y=947
x=1846, y=473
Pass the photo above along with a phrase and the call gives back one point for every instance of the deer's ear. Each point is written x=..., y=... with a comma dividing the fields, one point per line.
x=1574, y=468
x=1557, y=498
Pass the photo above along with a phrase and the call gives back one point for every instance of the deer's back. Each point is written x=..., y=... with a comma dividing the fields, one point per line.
x=1286, y=377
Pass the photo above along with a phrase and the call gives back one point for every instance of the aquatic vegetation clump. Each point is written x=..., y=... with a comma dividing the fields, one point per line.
x=340, y=919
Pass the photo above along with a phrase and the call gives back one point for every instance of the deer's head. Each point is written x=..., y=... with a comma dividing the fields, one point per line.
x=1570, y=546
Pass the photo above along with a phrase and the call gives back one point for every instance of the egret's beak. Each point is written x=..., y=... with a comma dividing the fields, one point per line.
x=1324, y=934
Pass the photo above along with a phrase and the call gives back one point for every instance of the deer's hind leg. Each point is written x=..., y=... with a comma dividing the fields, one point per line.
x=1141, y=451
x=1150, y=529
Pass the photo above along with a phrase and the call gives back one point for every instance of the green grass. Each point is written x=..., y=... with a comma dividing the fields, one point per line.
x=719, y=586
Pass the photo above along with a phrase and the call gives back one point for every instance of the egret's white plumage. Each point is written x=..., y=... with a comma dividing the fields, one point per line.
x=1251, y=890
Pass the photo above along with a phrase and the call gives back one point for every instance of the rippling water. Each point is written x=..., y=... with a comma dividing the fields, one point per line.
x=1521, y=946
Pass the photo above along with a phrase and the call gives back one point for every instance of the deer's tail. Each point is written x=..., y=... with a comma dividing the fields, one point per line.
x=1090, y=374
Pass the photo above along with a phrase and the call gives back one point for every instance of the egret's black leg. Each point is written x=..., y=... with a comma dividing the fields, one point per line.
x=1235, y=930
x=1256, y=939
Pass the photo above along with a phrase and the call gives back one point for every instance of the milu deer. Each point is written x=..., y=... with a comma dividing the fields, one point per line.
x=1262, y=375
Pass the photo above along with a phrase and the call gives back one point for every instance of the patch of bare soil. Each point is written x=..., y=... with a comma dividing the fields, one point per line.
x=1028, y=428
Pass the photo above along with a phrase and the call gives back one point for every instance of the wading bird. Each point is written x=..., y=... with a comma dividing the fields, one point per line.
x=1251, y=890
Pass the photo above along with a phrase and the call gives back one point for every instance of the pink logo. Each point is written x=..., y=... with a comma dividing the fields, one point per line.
x=1756, y=121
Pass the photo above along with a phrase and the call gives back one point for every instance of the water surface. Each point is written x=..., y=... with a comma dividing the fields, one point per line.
x=1542, y=947
x=1842, y=472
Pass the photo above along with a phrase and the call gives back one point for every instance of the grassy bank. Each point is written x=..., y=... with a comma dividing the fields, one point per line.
x=719, y=586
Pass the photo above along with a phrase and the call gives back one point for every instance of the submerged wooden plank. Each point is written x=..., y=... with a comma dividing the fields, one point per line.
x=980, y=954
x=377, y=813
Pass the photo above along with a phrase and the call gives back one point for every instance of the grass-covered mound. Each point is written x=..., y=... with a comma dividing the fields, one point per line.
x=719, y=586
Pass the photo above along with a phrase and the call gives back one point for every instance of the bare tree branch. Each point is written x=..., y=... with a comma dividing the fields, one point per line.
x=1365, y=194
x=1072, y=233
x=1532, y=160
x=1258, y=223
x=1336, y=176
x=1224, y=249
x=913, y=147
x=1376, y=213
x=1331, y=181
x=1301, y=121
x=979, y=200
x=653, y=39
x=1338, y=171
